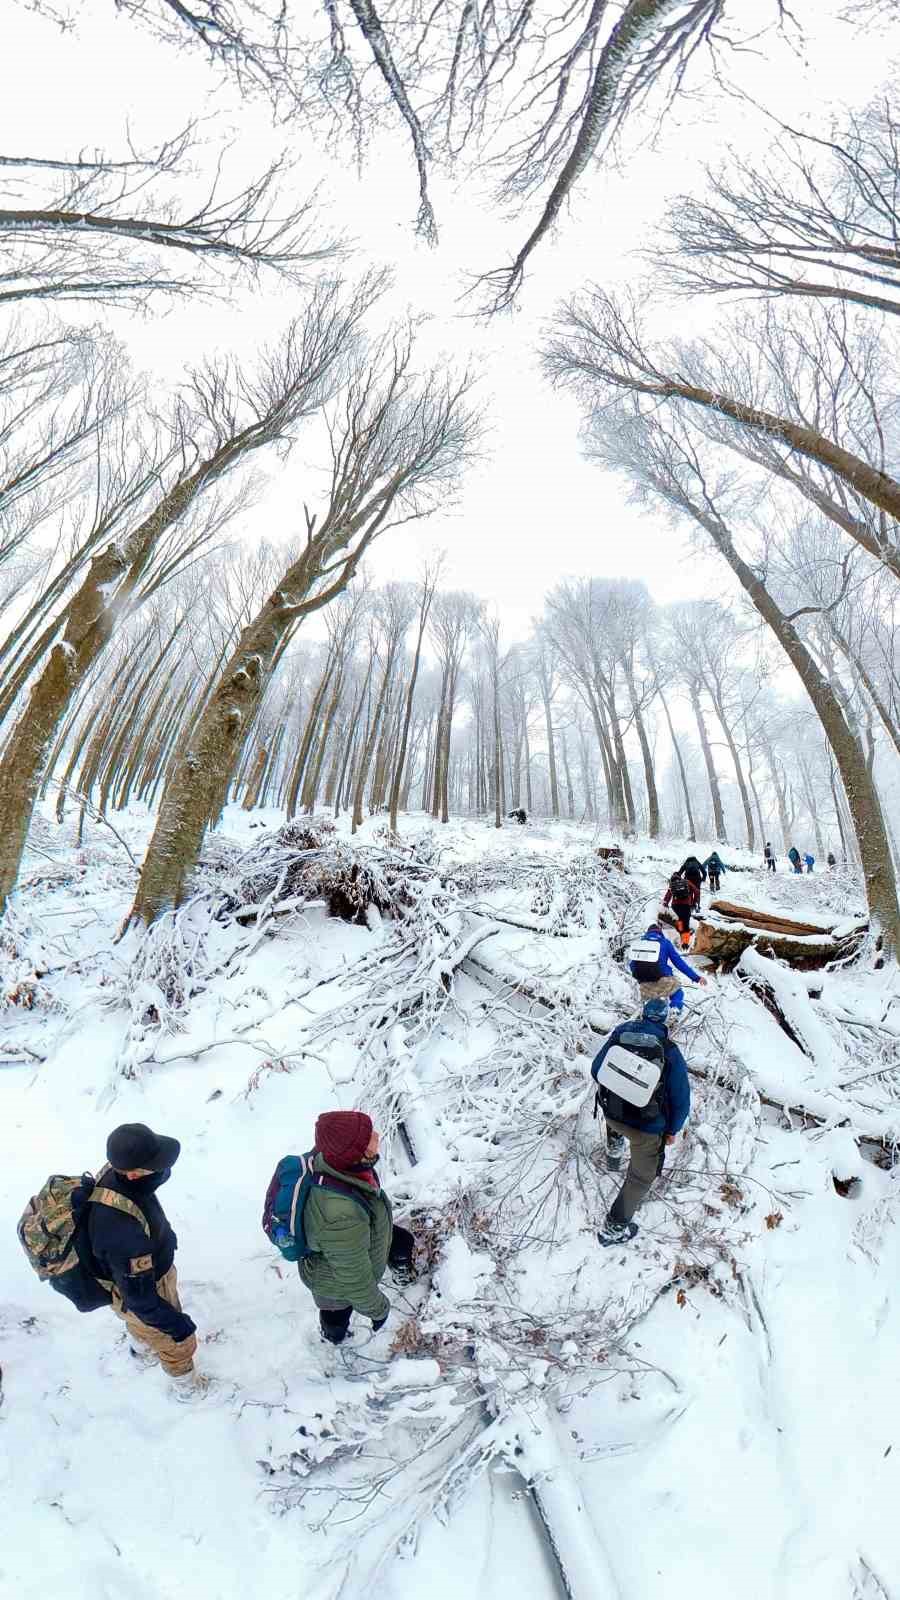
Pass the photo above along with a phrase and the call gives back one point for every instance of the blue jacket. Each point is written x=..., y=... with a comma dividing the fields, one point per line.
x=677, y=1084
x=669, y=957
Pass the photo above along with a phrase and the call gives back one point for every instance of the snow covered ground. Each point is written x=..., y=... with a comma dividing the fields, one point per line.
x=714, y=1409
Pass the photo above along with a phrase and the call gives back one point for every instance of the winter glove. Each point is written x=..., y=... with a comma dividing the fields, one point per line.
x=380, y=1323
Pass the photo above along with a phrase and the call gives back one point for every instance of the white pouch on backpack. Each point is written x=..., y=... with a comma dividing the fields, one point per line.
x=645, y=950
x=629, y=1076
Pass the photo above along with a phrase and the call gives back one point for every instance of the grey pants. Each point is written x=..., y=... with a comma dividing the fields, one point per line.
x=648, y=1152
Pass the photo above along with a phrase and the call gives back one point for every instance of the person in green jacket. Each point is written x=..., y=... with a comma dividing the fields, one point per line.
x=350, y=1227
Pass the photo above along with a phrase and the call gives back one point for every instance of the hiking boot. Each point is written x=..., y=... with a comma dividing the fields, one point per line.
x=192, y=1387
x=405, y=1274
x=142, y=1358
x=616, y=1232
x=615, y=1150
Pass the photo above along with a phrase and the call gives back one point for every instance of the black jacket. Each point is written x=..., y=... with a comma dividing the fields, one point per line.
x=123, y=1253
x=694, y=870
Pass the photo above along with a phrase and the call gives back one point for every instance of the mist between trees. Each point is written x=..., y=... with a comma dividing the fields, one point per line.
x=150, y=656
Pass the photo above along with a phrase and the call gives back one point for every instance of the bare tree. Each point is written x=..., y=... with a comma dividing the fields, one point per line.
x=393, y=615
x=115, y=231
x=223, y=416
x=542, y=89
x=600, y=343
x=545, y=669
x=430, y=581
x=666, y=465
x=398, y=443
x=489, y=630
x=817, y=220
x=454, y=617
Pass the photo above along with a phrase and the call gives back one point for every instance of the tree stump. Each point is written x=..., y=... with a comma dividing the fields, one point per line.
x=613, y=855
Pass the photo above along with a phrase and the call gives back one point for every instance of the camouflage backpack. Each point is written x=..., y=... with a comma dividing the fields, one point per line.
x=53, y=1233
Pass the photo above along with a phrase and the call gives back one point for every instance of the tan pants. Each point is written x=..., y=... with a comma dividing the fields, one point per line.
x=648, y=1152
x=661, y=989
x=175, y=1359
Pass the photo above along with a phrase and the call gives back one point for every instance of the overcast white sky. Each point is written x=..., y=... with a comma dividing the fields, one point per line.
x=533, y=511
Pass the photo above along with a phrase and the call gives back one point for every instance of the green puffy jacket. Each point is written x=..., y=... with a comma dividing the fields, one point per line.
x=351, y=1245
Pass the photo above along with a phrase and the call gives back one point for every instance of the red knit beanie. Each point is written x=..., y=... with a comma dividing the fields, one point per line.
x=343, y=1137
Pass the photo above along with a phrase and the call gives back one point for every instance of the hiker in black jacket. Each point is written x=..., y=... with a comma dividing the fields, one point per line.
x=695, y=873
x=137, y=1263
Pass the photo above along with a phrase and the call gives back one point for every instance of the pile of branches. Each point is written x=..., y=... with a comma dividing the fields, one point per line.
x=307, y=861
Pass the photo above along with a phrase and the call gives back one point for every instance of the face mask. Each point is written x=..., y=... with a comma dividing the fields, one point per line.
x=153, y=1181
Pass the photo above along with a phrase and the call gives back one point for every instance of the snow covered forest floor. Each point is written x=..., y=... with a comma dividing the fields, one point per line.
x=721, y=1395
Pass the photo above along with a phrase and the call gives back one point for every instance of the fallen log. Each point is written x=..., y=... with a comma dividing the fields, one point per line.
x=724, y=941
x=612, y=854
x=772, y=921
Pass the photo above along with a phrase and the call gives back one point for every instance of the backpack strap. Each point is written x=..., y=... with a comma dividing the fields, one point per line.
x=119, y=1202
x=324, y=1180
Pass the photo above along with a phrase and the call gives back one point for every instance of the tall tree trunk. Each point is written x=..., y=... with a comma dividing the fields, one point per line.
x=428, y=588
x=256, y=777
x=780, y=787
x=551, y=747
x=811, y=805
x=692, y=826
x=718, y=814
x=368, y=749
x=313, y=775
x=646, y=756
x=893, y=732
x=570, y=792
x=621, y=762
x=309, y=733
x=862, y=795
x=759, y=816
x=739, y=774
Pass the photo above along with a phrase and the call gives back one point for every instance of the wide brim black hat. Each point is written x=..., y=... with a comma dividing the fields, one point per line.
x=134, y=1145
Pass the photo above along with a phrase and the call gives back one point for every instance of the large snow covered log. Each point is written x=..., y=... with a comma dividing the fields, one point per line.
x=535, y=1450
x=726, y=930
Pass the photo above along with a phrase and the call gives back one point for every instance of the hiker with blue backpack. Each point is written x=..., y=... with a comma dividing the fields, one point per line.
x=645, y=1096
x=651, y=960
x=326, y=1210
x=714, y=866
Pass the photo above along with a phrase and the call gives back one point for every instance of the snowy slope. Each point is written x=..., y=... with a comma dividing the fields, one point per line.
x=722, y=1396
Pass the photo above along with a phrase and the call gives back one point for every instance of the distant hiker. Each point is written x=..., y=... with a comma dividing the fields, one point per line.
x=644, y=1093
x=769, y=854
x=832, y=859
x=518, y=815
x=349, y=1227
x=683, y=896
x=107, y=1242
x=714, y=866
x=810, y=861
x=794, y=858
x=651, y=963
x=695, y=873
